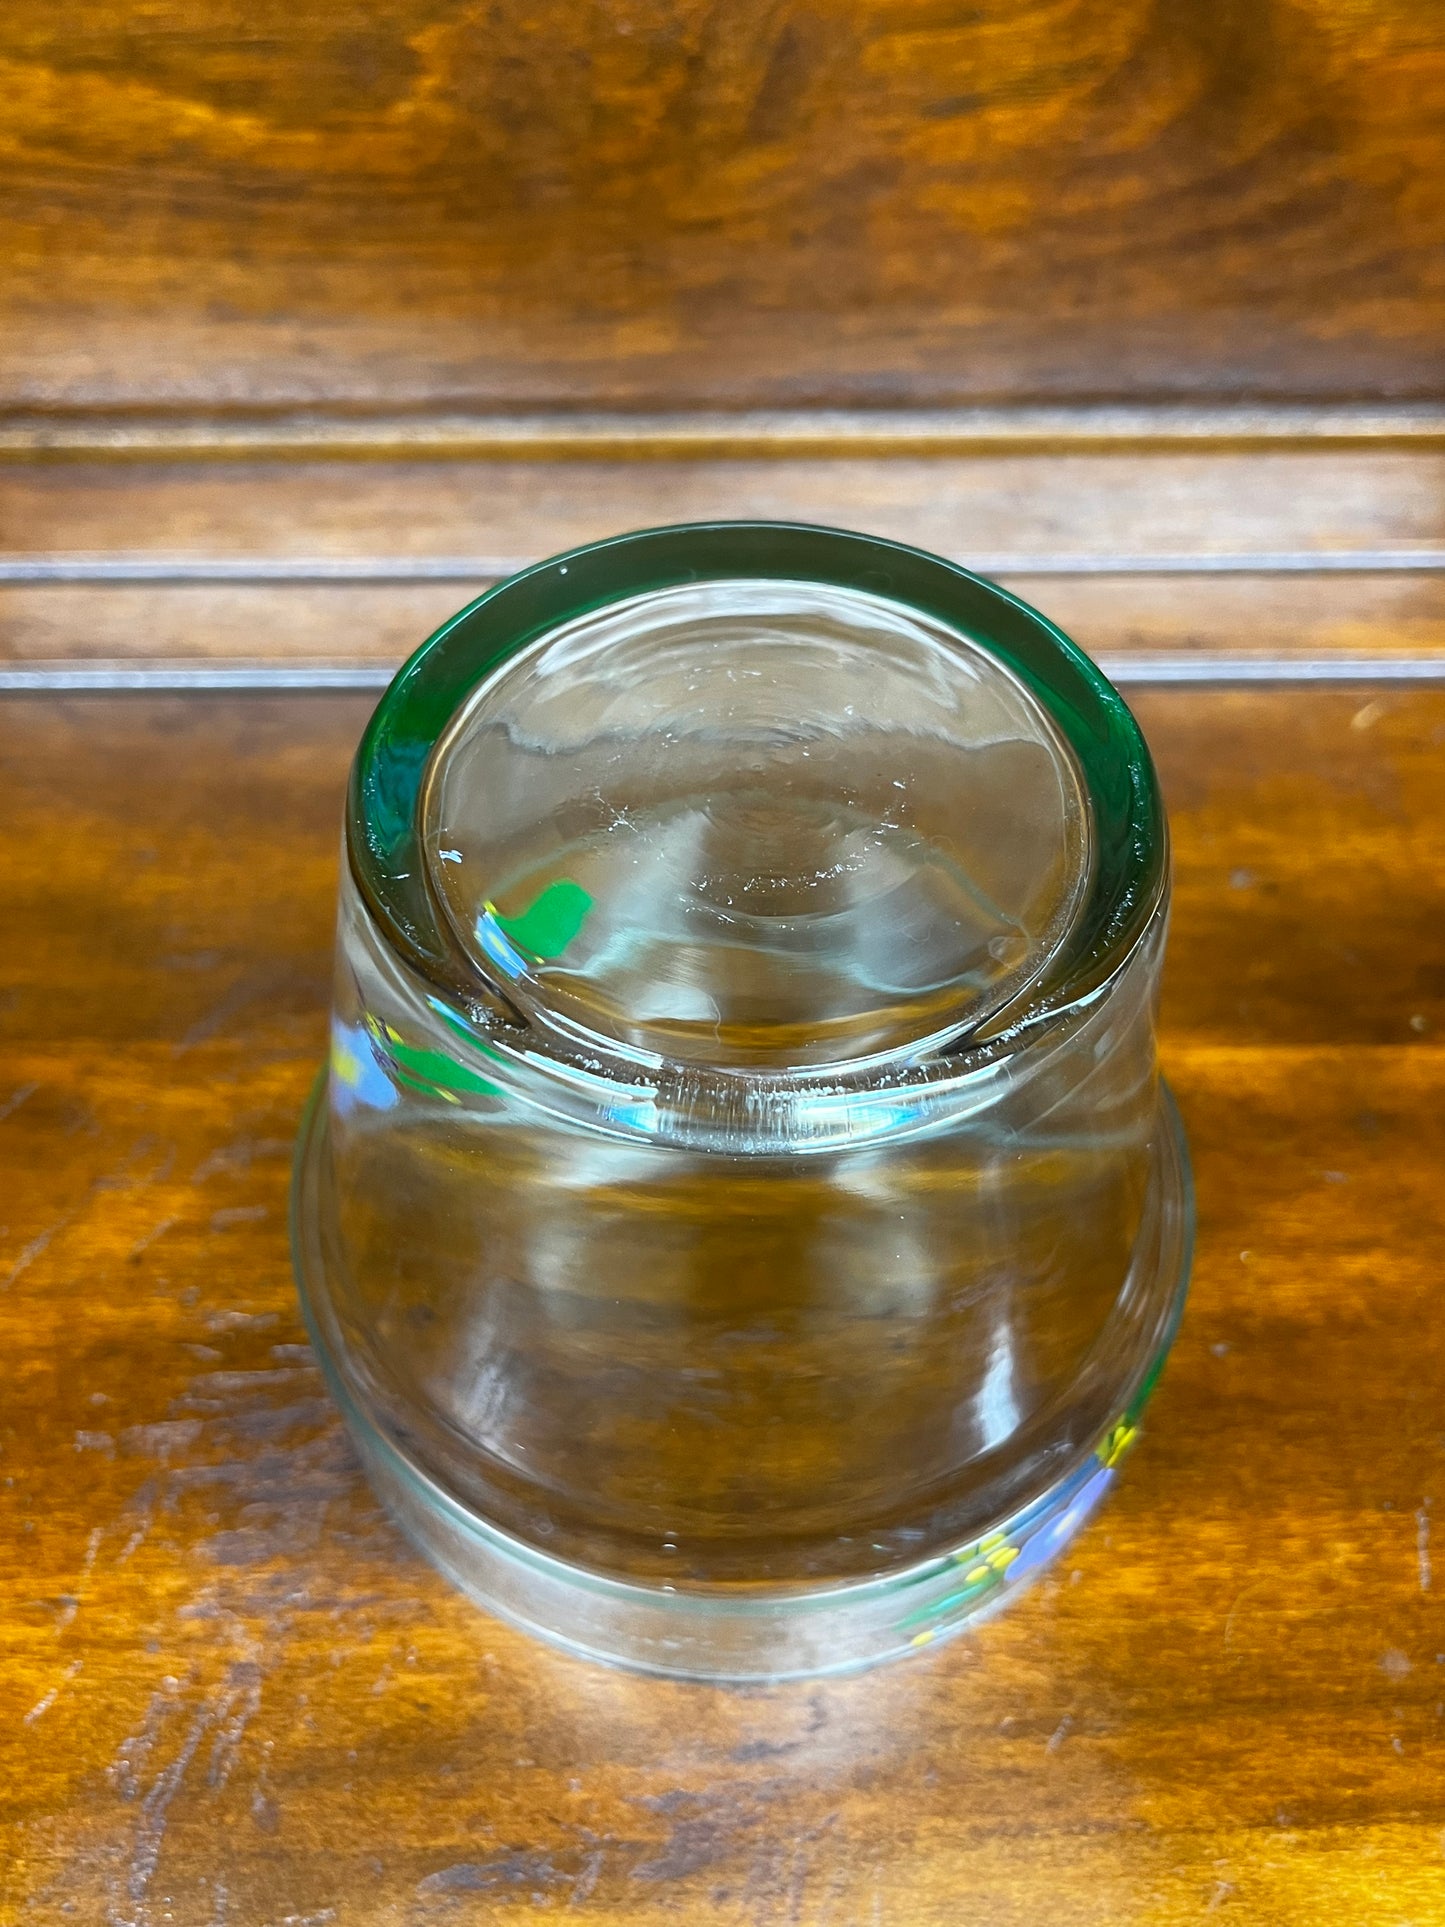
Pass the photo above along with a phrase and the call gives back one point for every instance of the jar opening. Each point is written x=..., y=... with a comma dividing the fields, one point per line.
x=756, y=823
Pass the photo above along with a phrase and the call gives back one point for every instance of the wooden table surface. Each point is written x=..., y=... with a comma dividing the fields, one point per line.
x=1076, y=288
x=232, y=1697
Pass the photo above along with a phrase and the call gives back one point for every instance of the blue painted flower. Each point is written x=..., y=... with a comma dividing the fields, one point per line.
x=1028, y=1542
x=358, y=1076
x=1051, y=1538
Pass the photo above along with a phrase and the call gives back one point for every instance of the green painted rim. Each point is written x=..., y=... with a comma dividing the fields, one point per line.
x=382, y=826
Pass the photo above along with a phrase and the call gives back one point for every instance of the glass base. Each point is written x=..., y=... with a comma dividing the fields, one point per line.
x=741, y=1633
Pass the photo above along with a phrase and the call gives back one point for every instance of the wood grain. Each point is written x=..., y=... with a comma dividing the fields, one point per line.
x=230, y=1694
x=1086, y=504
x=679, y=202
x=1230, y=619
x=1082, y=505
x=277, y=432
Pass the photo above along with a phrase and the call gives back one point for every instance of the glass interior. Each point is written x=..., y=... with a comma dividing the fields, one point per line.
x=757, y=823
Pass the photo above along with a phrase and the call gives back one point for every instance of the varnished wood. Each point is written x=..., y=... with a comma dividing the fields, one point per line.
x=1085, y=505
x=1302, y=618
x=61, y=433
x=682, y=203
x=231, y=1694
x=1089, y=503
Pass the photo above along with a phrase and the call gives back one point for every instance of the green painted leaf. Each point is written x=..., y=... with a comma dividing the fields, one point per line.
x=552, y=921
x=438, y=1068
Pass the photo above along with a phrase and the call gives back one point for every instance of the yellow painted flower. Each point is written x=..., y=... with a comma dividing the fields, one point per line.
x=1117, y=1442
x=345, y=1062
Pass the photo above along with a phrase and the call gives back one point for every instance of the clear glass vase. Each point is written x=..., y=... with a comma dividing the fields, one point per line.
x=742, y=1221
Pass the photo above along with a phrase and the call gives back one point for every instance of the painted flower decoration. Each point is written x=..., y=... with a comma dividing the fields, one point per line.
x=1028, y=1543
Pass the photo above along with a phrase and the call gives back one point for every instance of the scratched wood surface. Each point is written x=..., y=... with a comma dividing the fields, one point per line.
x=229, y=1692
x=672, y=201
x=1084, y=505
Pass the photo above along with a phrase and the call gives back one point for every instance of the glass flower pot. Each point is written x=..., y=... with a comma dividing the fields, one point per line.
x=742, y=1221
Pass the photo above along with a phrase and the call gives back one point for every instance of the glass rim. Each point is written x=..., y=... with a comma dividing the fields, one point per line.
x=383, y=827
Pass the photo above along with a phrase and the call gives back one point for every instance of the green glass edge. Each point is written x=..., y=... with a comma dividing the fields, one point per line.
x=382, y=834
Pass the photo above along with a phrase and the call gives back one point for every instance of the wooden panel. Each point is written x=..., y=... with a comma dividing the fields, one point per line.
x=680, y=201
x=471, y=433
x=1083, y=504
x=1087, y=506
x=1281, y=618
x=231, y=1694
